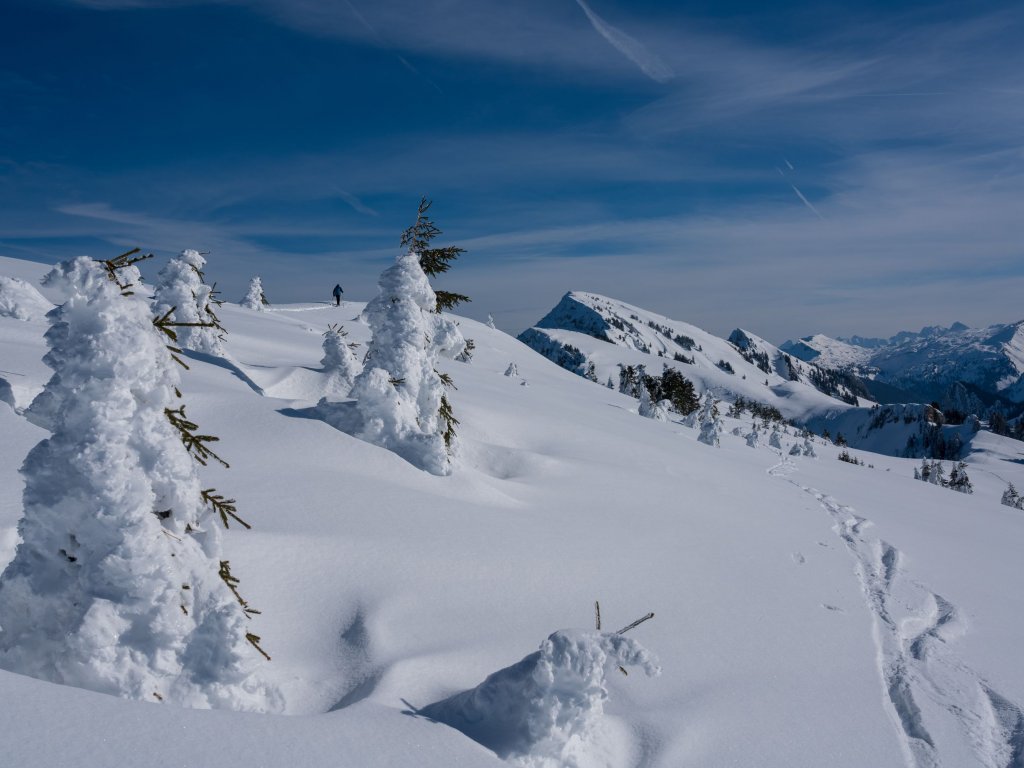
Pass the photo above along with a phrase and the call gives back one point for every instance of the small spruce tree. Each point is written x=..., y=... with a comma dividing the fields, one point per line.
x=1011, y=498
x=710, y=424
x=182, y=296
x=255, y=298
x=400, y=393
x=649, y=408
x=339, y=362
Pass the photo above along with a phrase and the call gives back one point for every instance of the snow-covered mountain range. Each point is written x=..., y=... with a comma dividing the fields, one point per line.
x=821, y=383
x=808, y=611
x=923, y=366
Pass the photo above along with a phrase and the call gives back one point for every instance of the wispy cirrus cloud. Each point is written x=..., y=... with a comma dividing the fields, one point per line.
x=650, y=64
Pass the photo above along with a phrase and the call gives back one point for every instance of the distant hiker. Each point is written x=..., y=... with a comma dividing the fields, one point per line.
x=337, y=295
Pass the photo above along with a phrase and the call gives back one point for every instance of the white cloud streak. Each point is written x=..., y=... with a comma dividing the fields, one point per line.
x=650, y=64
x=806, y=202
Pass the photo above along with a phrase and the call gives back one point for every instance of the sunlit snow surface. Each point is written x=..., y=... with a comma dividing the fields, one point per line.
x=809, y=612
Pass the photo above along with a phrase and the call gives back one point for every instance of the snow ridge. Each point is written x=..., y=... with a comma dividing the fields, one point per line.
x=596, y=336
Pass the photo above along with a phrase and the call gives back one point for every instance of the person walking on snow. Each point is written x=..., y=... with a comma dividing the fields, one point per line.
x=337, y=295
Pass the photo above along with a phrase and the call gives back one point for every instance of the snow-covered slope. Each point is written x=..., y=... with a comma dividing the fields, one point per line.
x=927, y=363
x=808, y=611
x=828, y=352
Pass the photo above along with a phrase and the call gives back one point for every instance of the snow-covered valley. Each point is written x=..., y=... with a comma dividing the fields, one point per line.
x=808, y=611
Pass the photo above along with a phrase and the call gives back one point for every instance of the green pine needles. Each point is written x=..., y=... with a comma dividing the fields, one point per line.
x=195, y=444
x=434, y=261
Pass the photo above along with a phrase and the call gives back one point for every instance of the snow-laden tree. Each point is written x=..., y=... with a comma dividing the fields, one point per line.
x=339, y=362
x=1011, y=498
x=490, y=321
x=775, y=439
x=255, y=298
x=119, y=583
x=182, y=295
x=794, y=449
x=692, y=419
x=401, y=395
x=808, y=449
x=753, y=438
x=958, y=479
x=650, y=409
x=710, y=423
x=466, y=355
x=512, y=370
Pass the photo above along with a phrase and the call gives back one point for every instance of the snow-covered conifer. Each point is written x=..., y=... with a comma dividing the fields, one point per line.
x=466, y=355
x=775, y=439
x=119, y=584
x=710, y=423
x=401, y=396
x=794, y=449
x=650, y=409
x=182, y=295
x=753, y=438
x=1011, y=498
x=958, y=479
x=490, y=321
x=512, y=370
x=255, y=298
x=339, y=362
x=692, y=419
x=808, y=449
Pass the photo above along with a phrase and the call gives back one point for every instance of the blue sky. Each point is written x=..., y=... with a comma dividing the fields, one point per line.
x=788, y=168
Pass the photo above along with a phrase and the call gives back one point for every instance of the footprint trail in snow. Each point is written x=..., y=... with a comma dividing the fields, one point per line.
x=931, y=696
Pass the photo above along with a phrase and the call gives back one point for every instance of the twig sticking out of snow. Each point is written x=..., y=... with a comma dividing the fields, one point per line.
x=635, y=624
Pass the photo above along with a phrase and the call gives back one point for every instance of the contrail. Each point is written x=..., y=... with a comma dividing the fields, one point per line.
x=357, y=204
x=630, y=47
x=807, y=202
x=384, y=43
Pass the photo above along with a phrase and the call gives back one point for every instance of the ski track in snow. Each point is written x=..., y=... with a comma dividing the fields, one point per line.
x=926, y=685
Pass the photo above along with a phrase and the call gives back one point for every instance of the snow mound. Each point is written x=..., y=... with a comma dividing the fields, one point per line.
x=19, y=299
x=541, y=711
